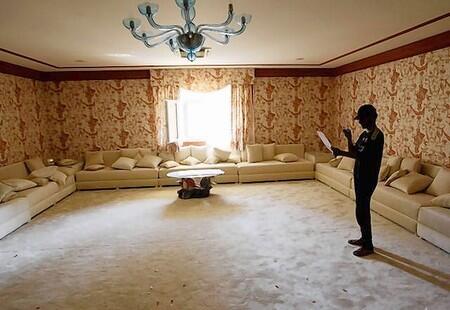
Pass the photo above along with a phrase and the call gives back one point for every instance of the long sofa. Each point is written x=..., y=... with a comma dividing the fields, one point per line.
x=31, y=202
x=415, y=212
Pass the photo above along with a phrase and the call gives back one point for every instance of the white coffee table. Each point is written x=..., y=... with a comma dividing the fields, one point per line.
x=195, y=183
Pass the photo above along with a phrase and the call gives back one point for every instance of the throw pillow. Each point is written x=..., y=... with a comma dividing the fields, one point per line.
x=124, y=163
x=395, y=176
x=19, y=184
x=182, y=153
x=145, y=152
x=9, y=196
x=394, y=164
x=199, y=152
x=59, y=178
x=346, y=163
x=412, y=183
x=334, y=162
x=66, y=162
x=254, y=153
x=166, y=156
x=149, y=161
x=4, y=190
x=94, y=167
x=93, y=158
x=269, y=151
x=222, y=155
x=442, y=201
x=212, y=160
x=235, y=157
x=384, y=171
x=190, y=161
x=67, y=170
x=34, y=164
x=130, y=153
x=169, y=164
x=40, y=181
x=441, y=183
x=45, y=172
x=410, y=164
x=286, y=157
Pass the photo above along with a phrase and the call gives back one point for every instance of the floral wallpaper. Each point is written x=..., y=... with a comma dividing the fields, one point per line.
x=98, y=115
x=22, y=130
x=412, y=97
x=291, y=110
x=64, y=119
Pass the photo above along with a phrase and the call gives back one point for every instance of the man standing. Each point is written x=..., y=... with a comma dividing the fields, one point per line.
x=367, y=152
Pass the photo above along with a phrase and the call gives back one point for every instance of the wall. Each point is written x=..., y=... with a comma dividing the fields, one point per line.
x=291, y=110
x=98, y=115
x=22, y=129
x=412, y=96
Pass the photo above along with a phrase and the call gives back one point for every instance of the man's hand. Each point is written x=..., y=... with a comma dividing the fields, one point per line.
x=336, y=151
x=348, y=133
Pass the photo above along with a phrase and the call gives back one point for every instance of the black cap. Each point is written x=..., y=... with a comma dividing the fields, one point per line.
x=366, y=110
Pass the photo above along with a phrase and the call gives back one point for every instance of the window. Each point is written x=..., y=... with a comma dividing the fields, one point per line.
x=200, y=116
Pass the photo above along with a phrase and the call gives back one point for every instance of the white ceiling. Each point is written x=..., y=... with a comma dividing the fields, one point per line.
x=62, y=32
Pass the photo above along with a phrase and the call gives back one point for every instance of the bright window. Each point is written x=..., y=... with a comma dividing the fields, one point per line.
x=200, y=116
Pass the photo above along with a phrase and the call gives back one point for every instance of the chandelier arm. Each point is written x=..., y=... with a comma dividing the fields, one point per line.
x=226, y=39
x=224, y=24
x=224, y=32
x=155, y=25
x=155, y=37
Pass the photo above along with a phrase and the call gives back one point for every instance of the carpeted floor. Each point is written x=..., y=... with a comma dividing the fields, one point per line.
x=253, y=246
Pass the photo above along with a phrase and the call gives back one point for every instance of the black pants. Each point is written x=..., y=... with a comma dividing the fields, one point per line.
x=363, y=193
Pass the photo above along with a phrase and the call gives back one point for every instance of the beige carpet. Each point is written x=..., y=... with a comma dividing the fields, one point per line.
x=253, y=246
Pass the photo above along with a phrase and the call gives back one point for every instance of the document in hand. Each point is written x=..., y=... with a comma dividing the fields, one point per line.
x=325, y=140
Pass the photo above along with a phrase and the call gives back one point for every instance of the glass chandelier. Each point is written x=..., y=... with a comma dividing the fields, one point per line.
x=189, y=38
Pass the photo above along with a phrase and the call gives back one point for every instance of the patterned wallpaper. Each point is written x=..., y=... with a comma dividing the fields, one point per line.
x=412, y=97
x=64, y=119
x=98, y=115
x=22, y=129
x=291, y=110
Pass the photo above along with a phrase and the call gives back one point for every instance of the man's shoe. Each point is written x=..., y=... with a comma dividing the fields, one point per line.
x=357, y=242
x=361, y=252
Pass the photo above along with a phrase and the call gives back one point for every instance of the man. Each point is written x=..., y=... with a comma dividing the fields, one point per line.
x=367, y=152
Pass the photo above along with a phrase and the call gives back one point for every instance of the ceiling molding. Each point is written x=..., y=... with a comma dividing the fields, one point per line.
x=436, y=42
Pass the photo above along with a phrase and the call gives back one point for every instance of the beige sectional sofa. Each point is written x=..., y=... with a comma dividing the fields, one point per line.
x=414, y=212
x=32, y=201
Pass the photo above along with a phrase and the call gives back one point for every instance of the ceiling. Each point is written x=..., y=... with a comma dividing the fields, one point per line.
x=86, y=34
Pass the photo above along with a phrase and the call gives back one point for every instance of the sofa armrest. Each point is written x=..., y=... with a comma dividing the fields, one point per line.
x=318, y=157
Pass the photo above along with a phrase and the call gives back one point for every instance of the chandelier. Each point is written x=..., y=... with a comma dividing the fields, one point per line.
x=188, y=38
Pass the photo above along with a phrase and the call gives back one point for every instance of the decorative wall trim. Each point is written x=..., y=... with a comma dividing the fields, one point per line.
x=435, y=42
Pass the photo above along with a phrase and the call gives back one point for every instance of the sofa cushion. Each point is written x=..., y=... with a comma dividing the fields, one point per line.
x=297, y=149
x=222, y=155
x=442, y=201
x=397, y=174
x=286, y=157
x=274, y=166
x=34, y=164
x=400, y=201
x=113, y=174
x=268, y=151
x=59, y=177
x=190, y=161
x=346, y=163
x=149, y=161
x=254, y=153
x=235, y=157
x=94, y=167
x=343, y=177
x=67, y=162
x=4, y=191
x=37, y=194
x=93, y=158
x=384, y=172
x=166, y=156
x=45, y=172
x=441, y=183
x=394, y=163
x=199, y=152
x=130, y=153
x=436, y=218
x=227, y=168
x=41, y=181
x=410, y=164
x=334, y=162
x=124, y=163
x=169, y=164
x=19, y=184
x=182, y=153
x=412, y=183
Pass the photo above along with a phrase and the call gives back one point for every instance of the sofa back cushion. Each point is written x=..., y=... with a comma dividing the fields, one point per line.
x=14, y=171
x=34, y=164
x=346, y=163
x=410, y=164
x=254, y=153
x=440, y=184
x=269, y=151
x=130, y=153
x=297, y=149
x=394, y=163
x=430, y=170
x=110, y=157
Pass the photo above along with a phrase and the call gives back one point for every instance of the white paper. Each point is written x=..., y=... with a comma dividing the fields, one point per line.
x=325, y=140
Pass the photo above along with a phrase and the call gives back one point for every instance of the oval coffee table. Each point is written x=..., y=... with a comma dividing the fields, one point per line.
x=195, y=183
